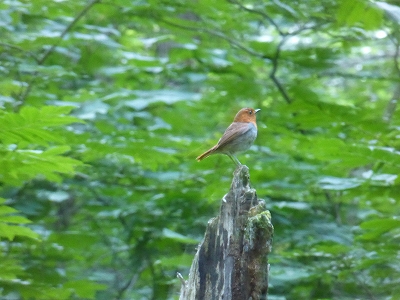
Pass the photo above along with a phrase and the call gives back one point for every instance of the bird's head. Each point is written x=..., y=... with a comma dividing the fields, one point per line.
x=246, y=115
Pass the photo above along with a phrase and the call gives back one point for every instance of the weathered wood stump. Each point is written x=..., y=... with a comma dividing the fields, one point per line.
x=231, y=263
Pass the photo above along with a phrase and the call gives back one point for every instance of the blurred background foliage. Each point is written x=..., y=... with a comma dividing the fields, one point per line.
x=106, y=104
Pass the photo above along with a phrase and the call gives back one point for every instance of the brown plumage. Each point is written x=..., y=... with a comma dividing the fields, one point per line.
x=238, y=137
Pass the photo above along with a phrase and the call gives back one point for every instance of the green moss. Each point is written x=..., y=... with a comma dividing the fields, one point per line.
x=259, y=229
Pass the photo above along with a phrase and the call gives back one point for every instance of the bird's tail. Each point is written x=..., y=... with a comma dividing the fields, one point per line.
x=206, y=154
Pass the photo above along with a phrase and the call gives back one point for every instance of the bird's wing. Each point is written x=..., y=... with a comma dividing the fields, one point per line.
x=234, y=130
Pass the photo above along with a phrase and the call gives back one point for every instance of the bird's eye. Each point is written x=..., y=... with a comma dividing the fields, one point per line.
x=250, y=112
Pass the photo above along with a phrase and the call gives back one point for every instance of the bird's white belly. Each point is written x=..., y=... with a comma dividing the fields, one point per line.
x=245, y=141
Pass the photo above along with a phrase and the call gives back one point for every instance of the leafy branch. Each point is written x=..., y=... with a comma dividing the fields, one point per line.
x=392, y=104
x=49, y=51
x=67, y=29
x=358, y=76
x=274, y=59
x=13, y=47
x=219, y=35
x=261, y=13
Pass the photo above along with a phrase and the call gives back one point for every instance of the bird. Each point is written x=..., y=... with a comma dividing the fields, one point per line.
x=238, y=137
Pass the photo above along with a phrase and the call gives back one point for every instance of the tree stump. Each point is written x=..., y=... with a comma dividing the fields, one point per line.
x=231, y=262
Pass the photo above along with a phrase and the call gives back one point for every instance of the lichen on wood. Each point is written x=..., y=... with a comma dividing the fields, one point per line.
x=231, y=262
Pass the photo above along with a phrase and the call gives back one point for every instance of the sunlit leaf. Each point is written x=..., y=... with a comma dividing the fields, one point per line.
x=334, y=183
x=167, y=233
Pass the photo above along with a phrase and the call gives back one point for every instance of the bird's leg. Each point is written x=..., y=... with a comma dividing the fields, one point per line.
x=234, y=159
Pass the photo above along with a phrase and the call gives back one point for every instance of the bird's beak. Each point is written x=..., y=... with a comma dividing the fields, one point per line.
x=257, y=110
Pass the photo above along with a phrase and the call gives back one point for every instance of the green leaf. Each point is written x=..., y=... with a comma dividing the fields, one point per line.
x=10, y=270
x=14, y=219
x=31, y=125
x=330, y=249
x=145, y=98
x=377, y=227
x=169, y=234
x=12, y=231
x=7, y=216
x=338, y=184
x=352, y=12
x=85, y=288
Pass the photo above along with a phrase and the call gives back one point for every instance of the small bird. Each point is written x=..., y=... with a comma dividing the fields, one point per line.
x=238, y=137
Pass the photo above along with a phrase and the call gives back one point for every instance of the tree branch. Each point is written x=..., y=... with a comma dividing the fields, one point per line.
x=274, y=59
x=29, y=53
x=272, y=74
x=67, y=29
x=250, y=51
x=392, y=104
x=50, y=50
x=283, y=35
x=396, y=53
x=357, y=76
x=220, y=35
x=261, y=13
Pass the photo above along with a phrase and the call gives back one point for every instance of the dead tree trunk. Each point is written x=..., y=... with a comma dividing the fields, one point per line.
x=231, y=263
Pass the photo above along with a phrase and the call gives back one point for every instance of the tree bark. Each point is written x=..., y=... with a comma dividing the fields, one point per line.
x=231, y=262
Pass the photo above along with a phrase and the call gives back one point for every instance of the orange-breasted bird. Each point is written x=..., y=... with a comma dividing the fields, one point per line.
x=238, y=137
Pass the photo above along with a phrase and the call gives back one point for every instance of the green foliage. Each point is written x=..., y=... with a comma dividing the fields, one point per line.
x=10, y=224
x=29, y=147
x=105, y=105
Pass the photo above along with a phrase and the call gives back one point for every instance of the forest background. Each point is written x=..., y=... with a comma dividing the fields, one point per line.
x=106, y=104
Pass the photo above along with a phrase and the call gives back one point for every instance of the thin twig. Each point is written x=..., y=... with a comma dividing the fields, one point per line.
x=131, y=282
x=19, y=49
x=220, y=35
x=67, y=29
x=53, y=47
x=274, y=59
x=281, y=88
x=261, y=13
x=392, y=104
x=272, y=74
x=363, y=284
x=396, y=53
x=357, y=76
x=180, y=277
